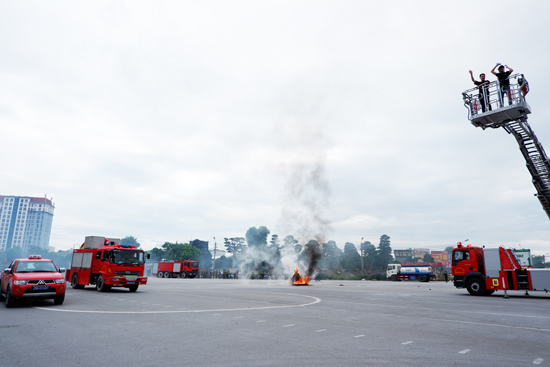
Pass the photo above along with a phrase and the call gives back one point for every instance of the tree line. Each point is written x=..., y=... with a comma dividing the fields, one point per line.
x=368, y=258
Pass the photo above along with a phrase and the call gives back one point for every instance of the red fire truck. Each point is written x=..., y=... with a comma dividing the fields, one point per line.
x=105, y=263
x=176, y=268
x=482, y=271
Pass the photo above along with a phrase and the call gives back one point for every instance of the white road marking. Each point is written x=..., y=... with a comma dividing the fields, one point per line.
x=238, y=317
x=261, y=321
x=319, y=331
x=359, y=336
x=464, y=351
x=538, y=361
x=405, y=343
x=315, y=300
x=289, y=325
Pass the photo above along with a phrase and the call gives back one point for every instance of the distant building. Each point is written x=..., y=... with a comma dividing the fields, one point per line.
x=201, y=245
x=403, y=255
x=441, y=257
x=419, y=253
x=25, y=221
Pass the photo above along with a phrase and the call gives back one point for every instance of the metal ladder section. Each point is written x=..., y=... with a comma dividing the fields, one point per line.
x=537, y=161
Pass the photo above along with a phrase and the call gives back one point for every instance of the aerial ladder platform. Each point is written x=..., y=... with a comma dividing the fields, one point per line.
x=508, y=109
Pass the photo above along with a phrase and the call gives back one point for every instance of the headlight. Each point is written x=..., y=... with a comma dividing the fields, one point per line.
x=59, y=281
x=20, y=282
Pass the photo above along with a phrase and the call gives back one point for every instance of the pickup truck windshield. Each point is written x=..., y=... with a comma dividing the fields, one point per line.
x=128, y=257
x=35, y=267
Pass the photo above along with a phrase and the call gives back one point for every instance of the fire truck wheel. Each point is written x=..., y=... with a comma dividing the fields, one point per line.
x=160, y=274
x=74, y=283
x=167, y=274
x=182, y=275
x=100, y=285
x=133, y=288
x=58, y=300
x=476, y=287
x=10, y=299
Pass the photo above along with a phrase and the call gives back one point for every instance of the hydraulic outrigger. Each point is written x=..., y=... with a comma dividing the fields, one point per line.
x=513, y=118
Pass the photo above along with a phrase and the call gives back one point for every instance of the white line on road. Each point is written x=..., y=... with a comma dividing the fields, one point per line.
x=464, y=351
x=319, y=331
x=238, y=317
x=289, y=325
x=261, y=321
x=538, y=361
x=359, y=336
x=405, y=343
x=315, y=300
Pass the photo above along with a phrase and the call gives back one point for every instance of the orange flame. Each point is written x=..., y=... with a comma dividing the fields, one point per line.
x=298, y=280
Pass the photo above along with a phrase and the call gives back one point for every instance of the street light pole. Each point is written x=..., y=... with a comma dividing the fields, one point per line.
x=214, y=261
x=361, y=247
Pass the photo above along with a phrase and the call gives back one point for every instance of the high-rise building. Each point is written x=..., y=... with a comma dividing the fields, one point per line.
x=25, y=221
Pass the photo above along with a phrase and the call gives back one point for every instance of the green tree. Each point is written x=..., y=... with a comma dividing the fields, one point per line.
x=157, y=254
x=331, y=256
x=223, y=263
x=289, y=241
x=190, y=253
x=428, y=258
x=235, y=245
x=173, y=251
x=130, y=241
x=384, y=248
x=351, y=260
x=369, y=252
x=257, y=237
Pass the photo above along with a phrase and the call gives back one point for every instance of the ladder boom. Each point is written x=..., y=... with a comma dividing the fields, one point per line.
x=513, y=119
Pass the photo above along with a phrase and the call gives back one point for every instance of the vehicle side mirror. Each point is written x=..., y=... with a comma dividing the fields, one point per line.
x=148, y=256
x=7, y=270
x=62, y=270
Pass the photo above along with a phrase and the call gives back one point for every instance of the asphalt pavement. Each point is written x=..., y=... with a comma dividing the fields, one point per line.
x=227, y=322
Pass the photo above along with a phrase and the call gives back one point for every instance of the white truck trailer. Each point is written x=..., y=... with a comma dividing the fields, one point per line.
x=397, y=272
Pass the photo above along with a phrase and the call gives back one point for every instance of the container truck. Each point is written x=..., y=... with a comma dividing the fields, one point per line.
x=106, y=263
x=482, y=271
x=176, y=268
x=397, y=272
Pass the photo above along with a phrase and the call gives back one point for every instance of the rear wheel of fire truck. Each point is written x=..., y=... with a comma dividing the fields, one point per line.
x=100, y=285
x=182, y=275
x=10, y=299
x=133, y=288
x=74, y=283
x=160, y=274
x=58, y=300
x=476, y=287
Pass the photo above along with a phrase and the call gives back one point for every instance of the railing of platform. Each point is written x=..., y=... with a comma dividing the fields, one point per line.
x=491, y=97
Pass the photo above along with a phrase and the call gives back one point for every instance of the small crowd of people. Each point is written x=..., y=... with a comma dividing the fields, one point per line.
x=503, y=86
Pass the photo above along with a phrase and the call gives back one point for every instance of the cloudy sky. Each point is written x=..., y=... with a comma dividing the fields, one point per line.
x=171, y=121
